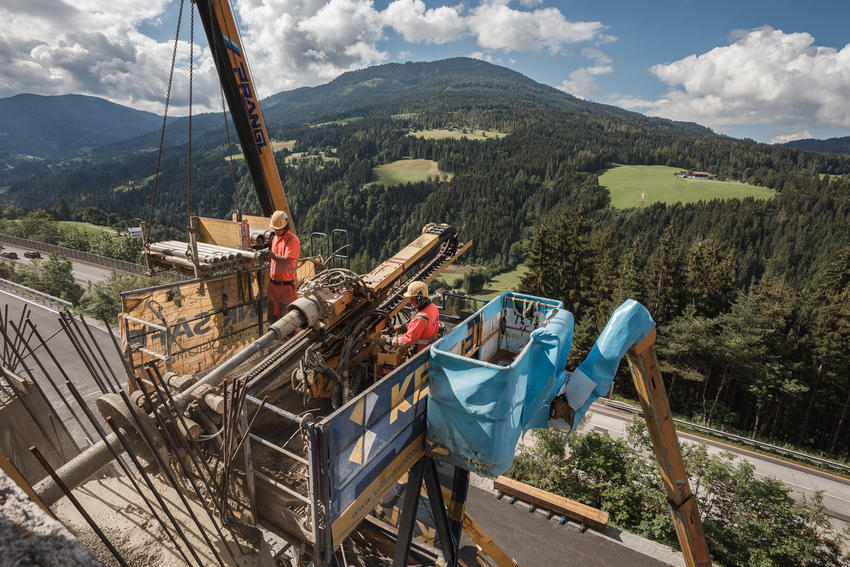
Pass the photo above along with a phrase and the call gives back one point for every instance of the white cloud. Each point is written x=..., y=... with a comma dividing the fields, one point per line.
x=765, y=76
x=804, y=135
x=582, y=81
x=88, y=47
x=499, y=27
x=76, y=46
x=416, y=24
x=306, y=42
x=596, y=55
x=482, y=56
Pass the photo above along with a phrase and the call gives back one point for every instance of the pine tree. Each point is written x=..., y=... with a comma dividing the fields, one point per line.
x=573, y=257
x=540, y=276
x=665, y=288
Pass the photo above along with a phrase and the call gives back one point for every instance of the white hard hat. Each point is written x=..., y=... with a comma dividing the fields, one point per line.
x=279, y=220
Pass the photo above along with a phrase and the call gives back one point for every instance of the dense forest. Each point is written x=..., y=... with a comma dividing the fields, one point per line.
x=751, y=297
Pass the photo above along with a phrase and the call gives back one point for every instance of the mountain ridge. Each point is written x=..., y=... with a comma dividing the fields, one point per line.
x=30, y=125
x=839, y=145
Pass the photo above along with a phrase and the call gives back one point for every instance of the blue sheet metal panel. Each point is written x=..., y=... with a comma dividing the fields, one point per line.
x=477, y=410
x=373, y=440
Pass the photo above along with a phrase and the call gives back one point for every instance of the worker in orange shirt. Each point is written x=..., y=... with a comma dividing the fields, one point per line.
x=284, y=251
x=424, y=326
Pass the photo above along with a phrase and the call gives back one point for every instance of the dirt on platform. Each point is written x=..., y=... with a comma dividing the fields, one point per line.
x=122, y=515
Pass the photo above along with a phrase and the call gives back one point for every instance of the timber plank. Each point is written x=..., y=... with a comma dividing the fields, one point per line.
x=589, y=515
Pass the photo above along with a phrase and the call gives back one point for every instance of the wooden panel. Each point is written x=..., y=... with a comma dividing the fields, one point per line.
x=570, y=508
x=221, y=232
x=485, y=543
x=258, y=223
x=643, y=365
x=208, y=321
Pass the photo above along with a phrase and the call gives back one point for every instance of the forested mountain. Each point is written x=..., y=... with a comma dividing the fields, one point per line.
x=59, y=127
x=830, y=145
x=384, y=90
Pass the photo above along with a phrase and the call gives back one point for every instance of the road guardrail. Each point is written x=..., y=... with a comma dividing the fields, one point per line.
x=740, y=439
x=34, y=295
x=88, y=257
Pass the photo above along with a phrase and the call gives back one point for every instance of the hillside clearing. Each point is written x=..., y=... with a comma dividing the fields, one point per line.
x=408, y=171
x=506, y=281
x=87, y=227
x=626, y=184
x=308, y=157
x=470, y=134
x=277, y=145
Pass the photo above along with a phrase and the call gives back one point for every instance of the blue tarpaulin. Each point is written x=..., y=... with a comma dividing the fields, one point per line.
x=478, y=409
x=628, y=325
x=492, y=378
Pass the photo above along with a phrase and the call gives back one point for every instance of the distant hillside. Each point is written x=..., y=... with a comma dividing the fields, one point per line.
x=451, y=85
x=830, y=145
x=397, y=87
x=59, y=127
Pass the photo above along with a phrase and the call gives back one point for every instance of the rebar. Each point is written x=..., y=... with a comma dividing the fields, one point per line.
x=97, y=346
x=89, y=352
x=50, y=378
x=73, y=499
x=167, y=472
x=59, y=449
x=83, y=357
x=187, y=449
x=79, y=398
x=117, y=433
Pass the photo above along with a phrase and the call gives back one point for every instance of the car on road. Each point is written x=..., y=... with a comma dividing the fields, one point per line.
x=9, y=255
x=32, y=254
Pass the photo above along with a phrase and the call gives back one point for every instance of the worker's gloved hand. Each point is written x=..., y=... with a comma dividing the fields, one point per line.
x=381, y=340
x=395, y=328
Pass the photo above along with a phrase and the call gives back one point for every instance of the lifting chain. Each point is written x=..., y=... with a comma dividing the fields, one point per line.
x=165, y=117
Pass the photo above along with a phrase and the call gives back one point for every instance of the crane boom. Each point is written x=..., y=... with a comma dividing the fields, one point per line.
x=243, y=102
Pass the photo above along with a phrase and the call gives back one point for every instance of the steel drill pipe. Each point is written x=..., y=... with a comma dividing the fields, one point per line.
x=84, y=466
x=305, y=314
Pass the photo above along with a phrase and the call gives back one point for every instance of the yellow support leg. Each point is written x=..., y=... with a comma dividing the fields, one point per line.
x=485, y=543
x=656, y=410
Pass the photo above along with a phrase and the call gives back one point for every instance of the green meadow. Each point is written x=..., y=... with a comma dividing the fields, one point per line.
x=408, y=171
x=87, y=227
x=506, y=281
x=626, y=184
x=471, y=134
x=276, y=146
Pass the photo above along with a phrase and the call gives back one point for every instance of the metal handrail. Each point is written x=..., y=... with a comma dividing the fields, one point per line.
x=28, y=292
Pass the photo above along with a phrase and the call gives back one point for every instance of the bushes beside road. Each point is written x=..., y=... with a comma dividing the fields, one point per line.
x=747, y=520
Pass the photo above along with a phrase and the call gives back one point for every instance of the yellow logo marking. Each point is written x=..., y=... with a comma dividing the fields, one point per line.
x=399, y=403
x=358, y=412
x=357, y=453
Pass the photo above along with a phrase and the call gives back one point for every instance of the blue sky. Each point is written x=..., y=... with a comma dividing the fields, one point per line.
x=771, y=71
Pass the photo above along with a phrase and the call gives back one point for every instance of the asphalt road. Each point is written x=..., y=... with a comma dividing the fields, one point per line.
x=83, y=273
x=802, y=480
